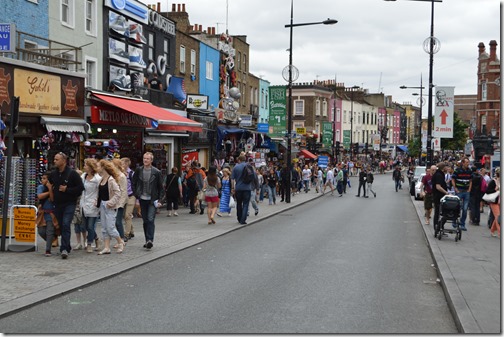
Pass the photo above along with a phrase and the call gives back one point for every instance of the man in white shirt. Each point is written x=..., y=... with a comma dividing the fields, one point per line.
x=329, y=180
x=306, y=178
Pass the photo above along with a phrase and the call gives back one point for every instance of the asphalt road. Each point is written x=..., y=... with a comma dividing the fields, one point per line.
x=335, y=265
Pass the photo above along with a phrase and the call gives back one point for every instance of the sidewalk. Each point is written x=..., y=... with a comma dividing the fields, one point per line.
x=29, y=278
x=470, y=274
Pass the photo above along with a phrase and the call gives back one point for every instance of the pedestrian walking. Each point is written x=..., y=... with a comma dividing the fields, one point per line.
x=272, y=181
x=306, y=178
x=362, y=182
x=241, y=185
x=123, y=186
x=329, y=180
x=494, y=186
x=339, y=180
x=284, y=182
x=211, y=186
x=90, y=210
x=173, y=190
x=225, y=192
x=148, y=189
x=46, y=221
x=194, y=178
x=129, y=232
x=66, y=188
x=369, y=182
x=440, y=189
x=397, y=177
x=427, y=193
x=255, y=188
x=462, y=183
x=475, y=196
x=109, y=196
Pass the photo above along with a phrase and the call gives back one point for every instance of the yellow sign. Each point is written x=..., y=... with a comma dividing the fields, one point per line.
x=301, y=131
x=24, y=223
x=38, y=92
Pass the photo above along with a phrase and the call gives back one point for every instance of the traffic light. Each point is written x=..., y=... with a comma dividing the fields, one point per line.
x=356, y=148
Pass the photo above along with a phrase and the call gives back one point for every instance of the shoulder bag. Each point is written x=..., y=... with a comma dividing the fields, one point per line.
x=492, y=197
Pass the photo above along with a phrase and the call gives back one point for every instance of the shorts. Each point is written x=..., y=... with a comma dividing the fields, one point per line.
x=80, y=227
x=428, y=201
x=212, y=199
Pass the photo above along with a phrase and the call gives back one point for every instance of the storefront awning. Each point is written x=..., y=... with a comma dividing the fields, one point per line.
x=307, y=154
x=403, y=148
x=64, y=124
x=167, y=121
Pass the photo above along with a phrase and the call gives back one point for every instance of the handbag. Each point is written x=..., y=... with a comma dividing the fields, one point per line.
x=492, y=197
x=232, y=202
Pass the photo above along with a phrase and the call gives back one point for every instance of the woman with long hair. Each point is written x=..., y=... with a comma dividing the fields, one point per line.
x=123, y=186
x=272, y=181
x=88, y=201
x=225, y=192
x=211, y=186
x=109, y=195
x=173, y=189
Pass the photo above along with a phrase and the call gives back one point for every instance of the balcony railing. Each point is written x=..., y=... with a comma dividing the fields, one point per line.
x=42, y=51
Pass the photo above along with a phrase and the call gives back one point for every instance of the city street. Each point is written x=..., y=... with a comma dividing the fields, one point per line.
x=332, y=265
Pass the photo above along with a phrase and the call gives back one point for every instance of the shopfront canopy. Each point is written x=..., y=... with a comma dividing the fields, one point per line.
x=222, y=131
x=167, y=121
x=64, y=124
x=307, y=154
x=402, y=148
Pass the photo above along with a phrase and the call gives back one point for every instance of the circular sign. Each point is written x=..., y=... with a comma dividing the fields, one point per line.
x=119, y=4
x=436, y=45
x=294, y=75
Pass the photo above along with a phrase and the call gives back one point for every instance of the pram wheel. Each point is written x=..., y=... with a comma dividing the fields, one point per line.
x=458, y=235
x=440, y=235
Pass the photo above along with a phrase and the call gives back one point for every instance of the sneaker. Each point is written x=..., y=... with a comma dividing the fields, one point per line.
x=89, y=249
x=78, y=246
x=149, y=244
x=463, y=228
x=120, y=55
x=64, y=254
x=122, y=82
x=256, y=211
x=375, y=194
x=175, y=213
x=137, y=61
x=119, y=24
x=136, y=34
x=169, y=213
x=48, y=254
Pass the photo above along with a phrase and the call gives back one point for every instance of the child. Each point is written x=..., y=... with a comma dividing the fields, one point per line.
x=79, y=225
x=46, y=221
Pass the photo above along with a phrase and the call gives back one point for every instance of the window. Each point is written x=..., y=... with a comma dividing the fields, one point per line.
x=91, y=73
x=297, y=124
x=239, y=61
x=298, y=108
x=243, y=89
x=338, y=115
x=262, y=98
x=324, y=108
x=256, y=96
x=209, y=70
x=344, y=116
x=317, y=108
x=166, y=51
x=317, y=130
x=338, y=136
x=245, y=62
x=67, y=12
x=182, y=59
x=483, y=90
x=151, y=46
x=193, y=62
x=91, y=17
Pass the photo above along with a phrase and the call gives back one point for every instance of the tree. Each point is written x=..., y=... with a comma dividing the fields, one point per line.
x=459, y=136
x=415, y=147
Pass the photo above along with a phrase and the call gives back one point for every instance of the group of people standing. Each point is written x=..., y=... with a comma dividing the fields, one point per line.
x=469, y=184
x=107, y=189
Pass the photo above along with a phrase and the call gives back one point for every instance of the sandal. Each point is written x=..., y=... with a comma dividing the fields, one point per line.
x=105, y=251
x=120, y=248
x=209, y=222
x=213, y=221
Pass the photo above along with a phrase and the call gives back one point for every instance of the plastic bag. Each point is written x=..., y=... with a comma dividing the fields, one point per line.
x=232, y=202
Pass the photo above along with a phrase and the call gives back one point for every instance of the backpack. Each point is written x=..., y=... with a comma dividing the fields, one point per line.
x=248, y=174
x=191, y=183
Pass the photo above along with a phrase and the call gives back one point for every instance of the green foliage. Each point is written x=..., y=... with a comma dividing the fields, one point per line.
x=459, y=136
x=415, y=147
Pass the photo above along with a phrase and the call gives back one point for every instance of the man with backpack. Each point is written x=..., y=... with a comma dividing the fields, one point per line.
x=194, y=179
x=242, y=180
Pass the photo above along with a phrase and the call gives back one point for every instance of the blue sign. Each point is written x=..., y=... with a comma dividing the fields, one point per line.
x=323, y=161
x=7, y=38
x=262, y=127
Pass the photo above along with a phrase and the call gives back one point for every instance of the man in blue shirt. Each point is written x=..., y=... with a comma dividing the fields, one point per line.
x=240, y=190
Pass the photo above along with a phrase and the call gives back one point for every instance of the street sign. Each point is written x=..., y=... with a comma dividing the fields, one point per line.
x=323, y=161
x=443, y=117
x=436, y=144
x=262, y=127
x=7, y=38
x=301, y=131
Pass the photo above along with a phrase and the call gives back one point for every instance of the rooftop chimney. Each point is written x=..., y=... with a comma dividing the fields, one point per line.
x=183, y=8
x=159, y=7
x=173, y=7
x=493, y=47
x=178, y=7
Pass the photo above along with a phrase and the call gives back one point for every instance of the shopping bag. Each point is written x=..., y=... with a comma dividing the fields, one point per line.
x=232, y=202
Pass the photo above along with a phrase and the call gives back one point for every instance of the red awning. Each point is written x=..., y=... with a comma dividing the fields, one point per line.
x=167, y=121
x=307, y=154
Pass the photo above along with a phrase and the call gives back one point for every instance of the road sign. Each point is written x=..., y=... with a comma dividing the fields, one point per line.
x=301, y=131
x=443, y=117
x=7, y=38
x=323, y=161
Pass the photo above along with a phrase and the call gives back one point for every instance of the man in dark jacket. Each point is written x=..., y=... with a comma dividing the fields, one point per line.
x=475, y=197
x=148, y=189
x=439, y=189
x=362, y=182
x=65, y=186
x=397, y=177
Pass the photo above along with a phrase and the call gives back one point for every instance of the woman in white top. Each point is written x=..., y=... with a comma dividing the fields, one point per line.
x=123, y=185
x=91, y=180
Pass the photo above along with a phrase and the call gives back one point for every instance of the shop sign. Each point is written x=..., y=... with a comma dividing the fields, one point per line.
x=262, y=127
x=228, y=115
x=24, y=224
x=188, y=156
x=246, y=120
x=131, y=8
x=7, y=37
x=197, y=102
x=327, y=134
x=158, y=21
x=278, y=112
x=4, y=86
x=101, y=115
x=38, y=92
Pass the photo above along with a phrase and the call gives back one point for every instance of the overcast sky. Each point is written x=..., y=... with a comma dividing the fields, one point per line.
x=376, y=44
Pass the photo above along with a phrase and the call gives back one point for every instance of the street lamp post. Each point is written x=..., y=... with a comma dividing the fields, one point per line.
x=432, y=42
x=421, y=87
x=289, y=113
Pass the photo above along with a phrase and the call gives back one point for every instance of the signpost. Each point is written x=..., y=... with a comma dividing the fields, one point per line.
x=443, y=117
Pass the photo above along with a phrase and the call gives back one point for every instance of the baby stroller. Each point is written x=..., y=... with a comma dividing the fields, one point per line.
x=449, y=211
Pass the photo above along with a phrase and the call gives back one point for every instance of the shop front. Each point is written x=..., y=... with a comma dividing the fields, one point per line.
x=139, y=126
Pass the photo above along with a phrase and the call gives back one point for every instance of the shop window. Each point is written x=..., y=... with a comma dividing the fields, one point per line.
x=166, y=50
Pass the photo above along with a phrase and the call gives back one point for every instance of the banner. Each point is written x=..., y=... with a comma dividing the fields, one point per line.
x=346, y=139
x=277, y=112
x=443, y=116
x=327, y=134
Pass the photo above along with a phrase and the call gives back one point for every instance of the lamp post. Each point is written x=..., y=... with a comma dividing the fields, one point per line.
x=351, y=118
x=421, y=105
x=432, y=42
x=290, y=69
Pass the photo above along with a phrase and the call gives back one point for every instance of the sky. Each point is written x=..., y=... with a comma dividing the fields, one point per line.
x=376, y=44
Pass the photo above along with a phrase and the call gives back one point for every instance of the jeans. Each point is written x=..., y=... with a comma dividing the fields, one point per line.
x=475, y=208
x=261, y=192
x=242, y=204
x=148, y=216
x=119, y=221
x=64, y=213
x=90, y=223
x=108, y=221
x=47, y=232
x=363, y=185
x=397, y=185
x=370, y=188
x=272, y=194
x=253, y=200
x=306, y=184
x=464, y=202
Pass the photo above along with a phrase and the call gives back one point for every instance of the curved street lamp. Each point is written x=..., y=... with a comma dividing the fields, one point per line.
x=290, y=70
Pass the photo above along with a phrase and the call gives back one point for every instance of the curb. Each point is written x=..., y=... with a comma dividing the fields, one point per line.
x=462, y=315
